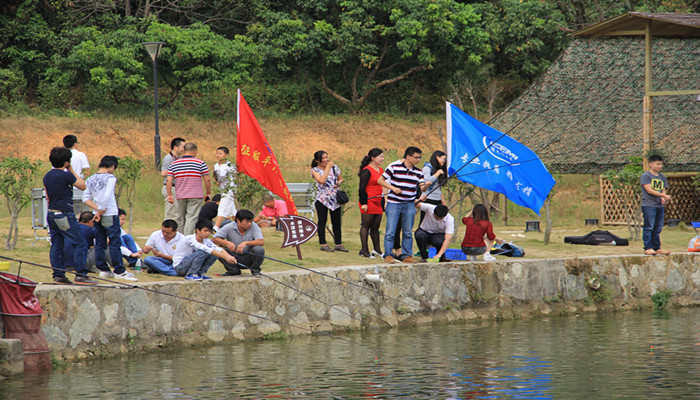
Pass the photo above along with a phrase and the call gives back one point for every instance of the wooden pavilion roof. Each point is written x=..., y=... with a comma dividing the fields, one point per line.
x=672, y=25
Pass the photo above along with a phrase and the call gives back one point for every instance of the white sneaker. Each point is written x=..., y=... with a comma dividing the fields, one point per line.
x=126, y=276
x=107, y=274
x=489, y=257
x=374, y=253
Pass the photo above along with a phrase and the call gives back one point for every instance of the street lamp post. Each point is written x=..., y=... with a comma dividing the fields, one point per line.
x=153, y=48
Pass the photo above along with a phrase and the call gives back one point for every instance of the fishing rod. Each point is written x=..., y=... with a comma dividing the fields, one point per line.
x=334, y=277
x=225, y=308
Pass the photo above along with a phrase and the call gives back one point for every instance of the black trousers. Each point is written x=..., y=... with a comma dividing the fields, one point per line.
x=425, y=239
x=246, y=260
x=322, y=212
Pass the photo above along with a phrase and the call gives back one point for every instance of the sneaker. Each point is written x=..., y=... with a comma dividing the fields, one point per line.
x=84, y=280
x=215, y=229
x=325, y=247
x=408, y=260
x=227, y=273
x=489, y=257
x=126, y=276
x=663, y=252
x=423, y=260
x=444, y=259
x=375, y=253
x=204, y=277
x=650, y=252
x=62, y=279
x=339, y=247
x=193, y=277
x=365, y=253
x=107, y=274
x=256, y=273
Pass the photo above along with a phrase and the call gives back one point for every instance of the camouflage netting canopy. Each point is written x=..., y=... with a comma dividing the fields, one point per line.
x=584, y=115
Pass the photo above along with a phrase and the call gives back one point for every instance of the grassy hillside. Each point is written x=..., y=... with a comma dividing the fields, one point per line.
x=346, y=138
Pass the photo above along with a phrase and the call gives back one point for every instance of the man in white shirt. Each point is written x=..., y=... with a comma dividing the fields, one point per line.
x=79, y=160
x=196, y=253
x=437, y=229
x=81, y=166
x=99, y=195
x=163, y=243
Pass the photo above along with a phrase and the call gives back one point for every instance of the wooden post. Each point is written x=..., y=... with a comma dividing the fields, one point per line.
x=647, y=108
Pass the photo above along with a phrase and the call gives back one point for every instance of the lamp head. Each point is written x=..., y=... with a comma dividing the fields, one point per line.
x=153, y=49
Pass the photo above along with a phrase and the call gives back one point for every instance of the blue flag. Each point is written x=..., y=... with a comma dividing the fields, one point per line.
x=496, y=161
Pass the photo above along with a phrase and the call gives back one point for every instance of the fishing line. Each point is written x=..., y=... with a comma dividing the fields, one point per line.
x=336, y=278
x=307, y=295
x=127, y=285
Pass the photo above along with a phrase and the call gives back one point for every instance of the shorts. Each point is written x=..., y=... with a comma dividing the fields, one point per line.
x=474, y=251
x=227, y=207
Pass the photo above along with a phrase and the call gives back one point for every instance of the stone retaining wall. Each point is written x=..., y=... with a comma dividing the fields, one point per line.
x=82, y=322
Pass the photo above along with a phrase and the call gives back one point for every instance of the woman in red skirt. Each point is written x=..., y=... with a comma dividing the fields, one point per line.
x=371, y=201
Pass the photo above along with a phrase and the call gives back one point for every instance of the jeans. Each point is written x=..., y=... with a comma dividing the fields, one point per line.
x=108, y=227
x=196, y=263
x=407, y=212
x=251, y=258
x=160, y=265
x=129, y=242
x=653, y=223
x=425, y=239
x=62, y=227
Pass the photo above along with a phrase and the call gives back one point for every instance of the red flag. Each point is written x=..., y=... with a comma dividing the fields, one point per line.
x=255, y=157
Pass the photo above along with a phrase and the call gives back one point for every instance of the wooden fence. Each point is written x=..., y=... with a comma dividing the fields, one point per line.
x=685, y=205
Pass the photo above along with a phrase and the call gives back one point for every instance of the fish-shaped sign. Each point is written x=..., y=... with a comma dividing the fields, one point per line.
x=297, y=230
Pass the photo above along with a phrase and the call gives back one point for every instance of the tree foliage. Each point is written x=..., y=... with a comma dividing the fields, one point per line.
x=293, y=56
x=16, y=180
x=354, y=48
x=127, y=174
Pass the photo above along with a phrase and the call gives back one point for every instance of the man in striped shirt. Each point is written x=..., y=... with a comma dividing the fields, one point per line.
x=188, y=172
x=404, y=180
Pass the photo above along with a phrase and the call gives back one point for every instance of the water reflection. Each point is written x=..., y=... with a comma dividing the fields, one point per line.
x=632, y=355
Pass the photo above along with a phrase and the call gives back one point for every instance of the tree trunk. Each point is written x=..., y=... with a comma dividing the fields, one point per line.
x=548, y=223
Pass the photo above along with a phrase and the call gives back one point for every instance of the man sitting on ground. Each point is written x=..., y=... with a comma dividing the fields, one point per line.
x=244, y=240
x=87, y=228
x=436, y=230
x=131, y=251
x=196, y=253
x=272, y=209
x=163, y=243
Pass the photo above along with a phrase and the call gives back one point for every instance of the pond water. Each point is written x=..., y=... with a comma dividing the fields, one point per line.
x=634, y=355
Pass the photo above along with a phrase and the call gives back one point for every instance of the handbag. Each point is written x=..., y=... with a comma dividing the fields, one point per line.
x=342, y=197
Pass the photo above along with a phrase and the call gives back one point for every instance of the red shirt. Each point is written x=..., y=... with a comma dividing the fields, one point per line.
x=474, y=235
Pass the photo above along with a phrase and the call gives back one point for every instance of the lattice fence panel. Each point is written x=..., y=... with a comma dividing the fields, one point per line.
x=685, y=205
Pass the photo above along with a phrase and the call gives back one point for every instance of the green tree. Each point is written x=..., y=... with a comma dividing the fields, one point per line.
x=16, y=181
x=626, y=182
x=526, y=36
x=354, y=48
x=127, y=174
x=196, y=60
x=101, y=68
